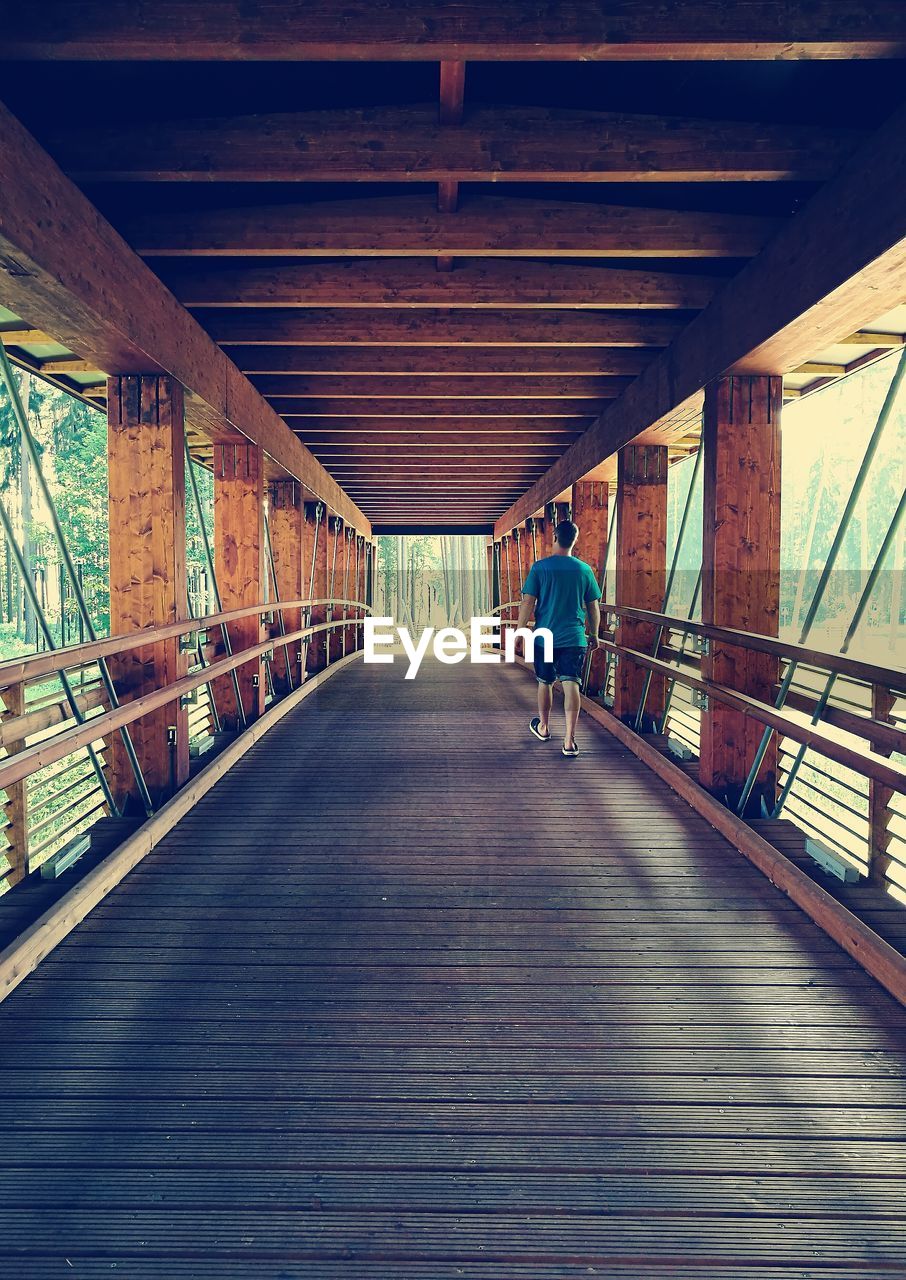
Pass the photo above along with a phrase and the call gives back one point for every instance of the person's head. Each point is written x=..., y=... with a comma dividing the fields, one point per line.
x=566, y=535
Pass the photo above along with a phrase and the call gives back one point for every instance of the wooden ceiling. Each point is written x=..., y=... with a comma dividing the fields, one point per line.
x=441, y=239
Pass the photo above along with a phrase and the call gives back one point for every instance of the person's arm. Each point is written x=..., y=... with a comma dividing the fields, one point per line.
x=593, y=614
x=526, y=610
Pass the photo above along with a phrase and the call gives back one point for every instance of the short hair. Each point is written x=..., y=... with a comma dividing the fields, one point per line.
x=566, y=533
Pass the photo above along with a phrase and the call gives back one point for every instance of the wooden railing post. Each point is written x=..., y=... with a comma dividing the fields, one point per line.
x=16, y=807
x=147, y=512
x=286, y=519
x=641, y=569
x=590, y=502
x=879, y=797
x=239, y=564
x=740, y=572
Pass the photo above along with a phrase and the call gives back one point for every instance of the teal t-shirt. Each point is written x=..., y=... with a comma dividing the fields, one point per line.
x=563, y=586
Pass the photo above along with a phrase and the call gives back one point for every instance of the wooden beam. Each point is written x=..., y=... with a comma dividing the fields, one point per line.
x=147, y=518
x=493, y=144
x=429, y=407
x=474, y=361
x=400, y=387
x=510, y=226
x=317, y=536
x=740, y=574
x=65, y=268
x=840, y=260
x=25, y=337
x=590, y=500
x=239, y=566
x=418, y=428
x=400, y=283
x=641, y=569
x=286, y=518
x=440, y=328
x=431, y=30
x=452, y=101
x=517, y=441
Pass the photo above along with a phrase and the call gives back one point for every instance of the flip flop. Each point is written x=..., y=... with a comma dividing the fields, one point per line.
x=571, y=752
x=534, y=726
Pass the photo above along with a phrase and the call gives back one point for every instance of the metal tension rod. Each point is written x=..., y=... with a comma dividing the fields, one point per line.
x=867, y=591
x=28, y=584
x=684, y=640
x=209, y=558
x=884, y=416
x=29, y=441
x=684, y=520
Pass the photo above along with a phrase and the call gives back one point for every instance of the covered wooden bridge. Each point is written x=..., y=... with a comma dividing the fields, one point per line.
x=377, y=985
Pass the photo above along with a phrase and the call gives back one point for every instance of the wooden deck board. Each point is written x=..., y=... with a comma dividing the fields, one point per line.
x=408, y=995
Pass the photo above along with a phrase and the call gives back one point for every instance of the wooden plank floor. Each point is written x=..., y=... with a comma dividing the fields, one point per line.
x=410, y=995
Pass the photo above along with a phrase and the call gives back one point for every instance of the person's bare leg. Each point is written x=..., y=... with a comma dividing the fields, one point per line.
x=545, y=702
x=571, y=704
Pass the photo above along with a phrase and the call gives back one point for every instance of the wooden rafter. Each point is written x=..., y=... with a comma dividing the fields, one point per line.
x=411, y=226
x=433, y=30
x=440, y=328
x=413, y=284
x=408, y=144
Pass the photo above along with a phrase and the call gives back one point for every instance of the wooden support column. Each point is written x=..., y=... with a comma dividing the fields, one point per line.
x=347, y=551
x=489, y=593
x=359, y=586
x=239, y=564
x=315, y=576
x=286, y=518
x=740, y=570
x=147, y=514
x=591, y=515
x=641, y=568
x=335, y=552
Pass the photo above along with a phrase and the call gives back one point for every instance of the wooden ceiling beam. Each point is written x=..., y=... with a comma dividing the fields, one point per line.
x=837, y=263
x=426, y=426
x=412, y=226
x=432, y=363
x=401, y=387
x=433, y=30
x=483, y=284
x=357, y=441
x=493, y=144
x=440, y=328
x=64, y=268
x=430, y=408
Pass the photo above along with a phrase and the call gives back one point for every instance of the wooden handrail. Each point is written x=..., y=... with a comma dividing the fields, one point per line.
x=840, y=663
x=869, y=766
x=31, y=759
x=15, y=670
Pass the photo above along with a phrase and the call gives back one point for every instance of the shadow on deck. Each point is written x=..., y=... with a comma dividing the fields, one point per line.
x=409, y=995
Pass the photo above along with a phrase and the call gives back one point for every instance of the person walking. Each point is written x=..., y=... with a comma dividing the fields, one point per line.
x=563, y=594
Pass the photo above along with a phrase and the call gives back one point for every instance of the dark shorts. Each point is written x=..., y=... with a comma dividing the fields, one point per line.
x=567, y=664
